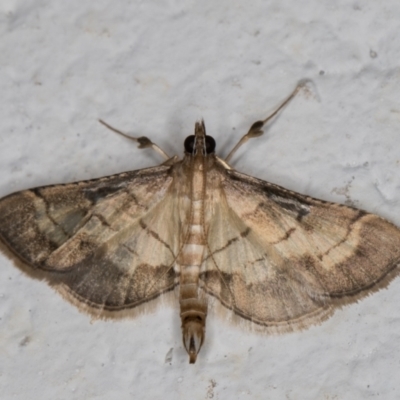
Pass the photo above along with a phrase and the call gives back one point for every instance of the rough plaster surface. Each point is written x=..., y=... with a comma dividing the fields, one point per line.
x=153, y=68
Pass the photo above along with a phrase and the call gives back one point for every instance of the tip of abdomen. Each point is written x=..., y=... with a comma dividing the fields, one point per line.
x=193, y=330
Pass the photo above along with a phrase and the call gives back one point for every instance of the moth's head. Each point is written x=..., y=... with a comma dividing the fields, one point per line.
x=199, y=143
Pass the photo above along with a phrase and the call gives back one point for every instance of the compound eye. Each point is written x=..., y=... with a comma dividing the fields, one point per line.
x=189, y=144
x=210, y=145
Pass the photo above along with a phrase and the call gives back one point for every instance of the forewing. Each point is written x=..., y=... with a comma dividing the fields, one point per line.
x=283, y=260
x=108, y=244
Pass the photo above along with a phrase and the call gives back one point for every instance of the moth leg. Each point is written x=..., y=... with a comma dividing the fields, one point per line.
x=143, y=141
x=256, y=129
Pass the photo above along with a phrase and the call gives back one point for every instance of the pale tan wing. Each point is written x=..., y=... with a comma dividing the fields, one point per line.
x=107, y=243
x=283, y=260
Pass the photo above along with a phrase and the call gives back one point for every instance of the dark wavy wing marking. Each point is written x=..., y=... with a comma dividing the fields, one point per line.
x=98, y=240
x=282, y=259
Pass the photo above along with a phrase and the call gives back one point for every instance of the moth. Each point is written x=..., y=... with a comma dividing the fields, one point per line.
x=272, y=258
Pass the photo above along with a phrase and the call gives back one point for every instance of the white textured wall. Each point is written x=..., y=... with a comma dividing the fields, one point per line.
x=153, y=68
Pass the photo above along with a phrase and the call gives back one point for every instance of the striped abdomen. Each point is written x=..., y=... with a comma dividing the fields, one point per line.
x=193, y=307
